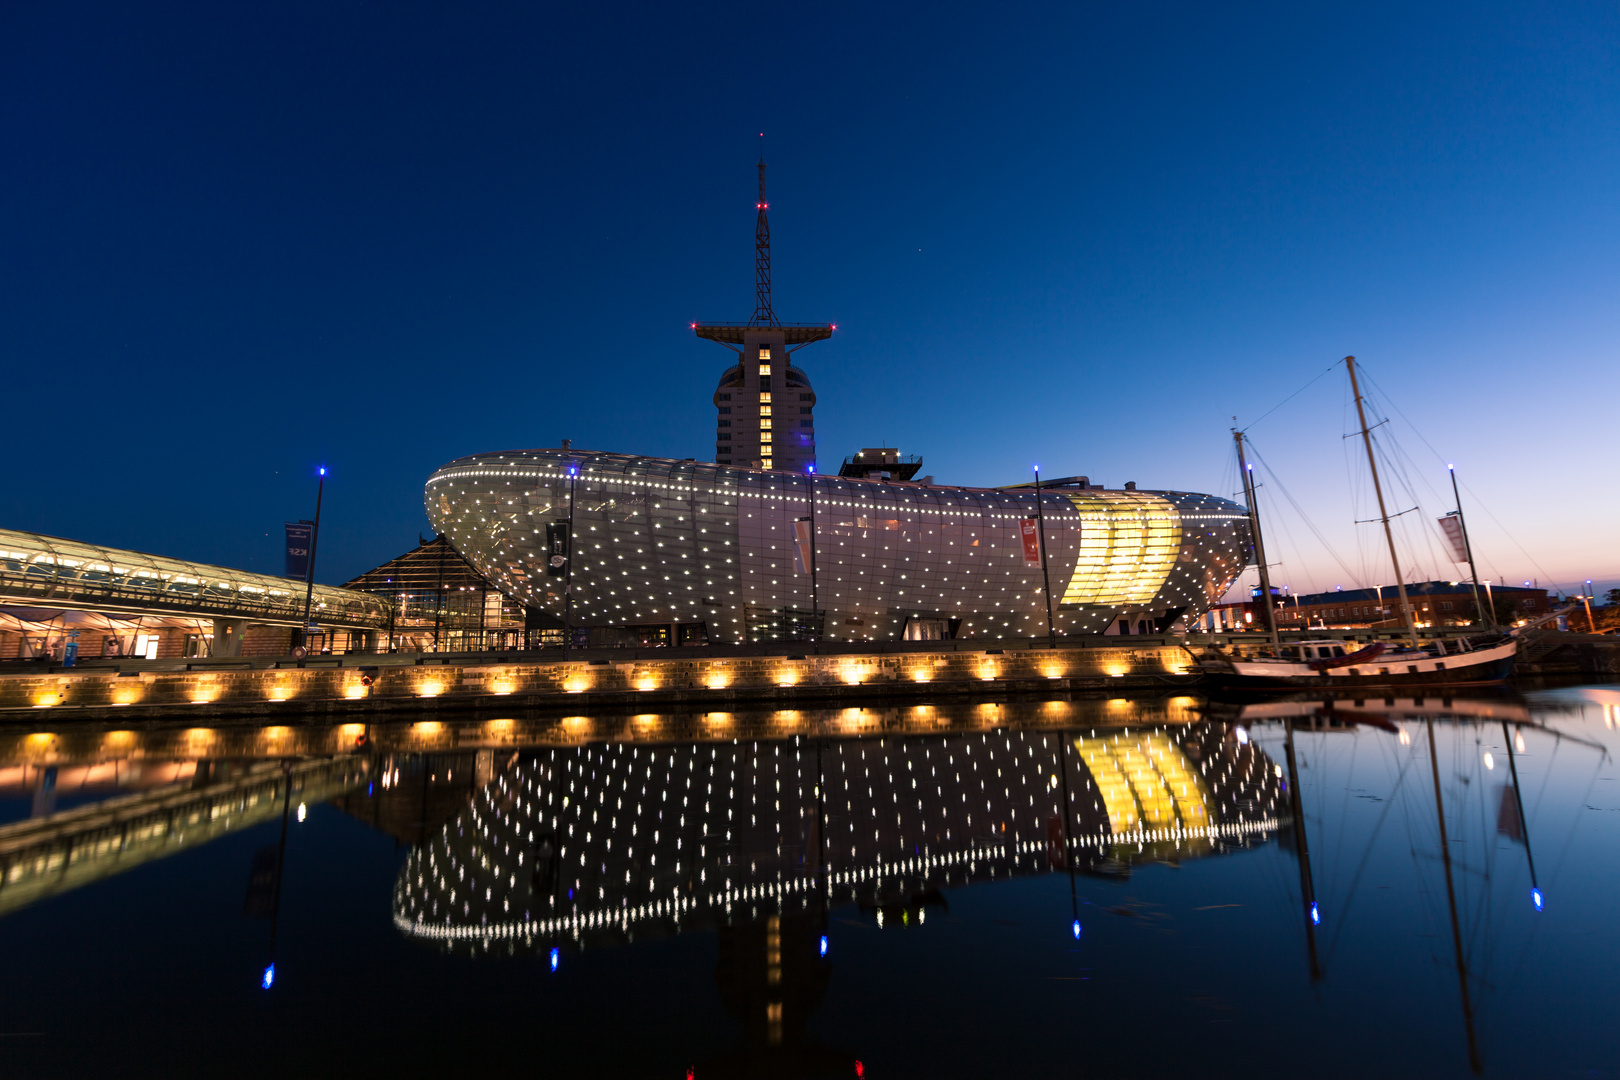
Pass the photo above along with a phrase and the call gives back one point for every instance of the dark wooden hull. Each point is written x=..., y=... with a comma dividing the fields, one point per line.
x=1486, y=674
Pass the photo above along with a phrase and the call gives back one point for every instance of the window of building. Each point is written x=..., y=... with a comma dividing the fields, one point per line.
x=807, y=423
x=765, y=436
x=764, y=353
x=725, y=423
x=765, y=384
x=725, y=397
x=765, y=423
x=807, y=397
x=764, y=370
x=765, y=397
x=804, y=410
x=725, y=410
x=723, y=435
x=764, y=410
x=1445, y=605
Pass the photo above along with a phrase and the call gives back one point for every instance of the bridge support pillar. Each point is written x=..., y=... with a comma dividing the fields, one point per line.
x=228, y=636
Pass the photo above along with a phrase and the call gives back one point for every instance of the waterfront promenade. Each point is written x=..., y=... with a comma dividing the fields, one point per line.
x=360, y=685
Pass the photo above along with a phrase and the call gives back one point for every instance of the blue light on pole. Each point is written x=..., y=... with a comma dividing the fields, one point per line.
x=1075, y=929
x=823, y=944
x=556, y=957
x=268, y=978
x=323, y=470
x=1535, y=898
x=1316, y=916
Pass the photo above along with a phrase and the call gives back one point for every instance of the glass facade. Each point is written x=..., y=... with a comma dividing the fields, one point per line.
x=658, y=541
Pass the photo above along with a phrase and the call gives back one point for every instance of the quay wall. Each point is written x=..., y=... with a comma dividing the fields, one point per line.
x=689, y=682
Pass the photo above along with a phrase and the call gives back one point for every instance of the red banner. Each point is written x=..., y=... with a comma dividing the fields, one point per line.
x=801, y=546
x=1032, y=542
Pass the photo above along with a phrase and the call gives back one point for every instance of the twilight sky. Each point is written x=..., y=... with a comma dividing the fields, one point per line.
x=243, y=239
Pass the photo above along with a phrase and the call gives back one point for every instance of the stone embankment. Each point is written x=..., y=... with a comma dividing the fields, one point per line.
x=361, y=686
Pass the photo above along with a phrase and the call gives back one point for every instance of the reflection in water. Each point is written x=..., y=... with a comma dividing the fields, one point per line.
x=612, y=843
x=600, y=845
x=545, y=837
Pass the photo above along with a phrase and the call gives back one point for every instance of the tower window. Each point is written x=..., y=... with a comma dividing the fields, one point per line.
x=765, y=423
x=764, y=369
x=764, y=436
x=802, y=397
x=764, y=352
x=725, y=410
x=804, y=410
x=725, y=423
x=764, y=398
x=723, y=397
x=765, y=383
x=723, y=435
x=807, y=423
x=764, y=410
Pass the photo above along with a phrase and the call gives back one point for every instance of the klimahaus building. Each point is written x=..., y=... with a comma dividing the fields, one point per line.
x=686, y=552
x=759, y=546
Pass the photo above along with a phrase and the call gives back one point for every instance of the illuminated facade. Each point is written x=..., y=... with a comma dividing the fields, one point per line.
x=605, y=844
x=725, y=554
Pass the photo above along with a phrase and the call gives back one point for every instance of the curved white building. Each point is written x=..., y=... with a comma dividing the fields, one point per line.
x=689, y=551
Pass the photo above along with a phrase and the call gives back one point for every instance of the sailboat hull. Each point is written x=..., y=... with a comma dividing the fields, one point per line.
x=1480, y=667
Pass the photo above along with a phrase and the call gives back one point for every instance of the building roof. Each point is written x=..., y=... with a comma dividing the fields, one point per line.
x=732, y=333
x=38, y=570
x=432, y=566
x=1420, y=588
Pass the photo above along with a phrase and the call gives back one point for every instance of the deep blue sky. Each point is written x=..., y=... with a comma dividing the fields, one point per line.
x=241, y=239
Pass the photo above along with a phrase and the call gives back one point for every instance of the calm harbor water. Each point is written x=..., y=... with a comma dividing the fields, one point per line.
x=1133, y=887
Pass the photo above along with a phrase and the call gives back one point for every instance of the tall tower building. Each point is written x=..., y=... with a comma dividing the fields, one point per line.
x=764, y=406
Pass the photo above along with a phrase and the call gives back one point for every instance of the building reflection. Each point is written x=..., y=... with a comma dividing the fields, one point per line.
x=613, y=843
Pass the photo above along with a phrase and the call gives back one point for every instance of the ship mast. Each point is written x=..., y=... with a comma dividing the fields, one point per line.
x=1259, y=545
x=1383, y=514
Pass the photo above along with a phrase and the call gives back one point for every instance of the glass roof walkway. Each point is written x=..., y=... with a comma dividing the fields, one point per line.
x=46, y=571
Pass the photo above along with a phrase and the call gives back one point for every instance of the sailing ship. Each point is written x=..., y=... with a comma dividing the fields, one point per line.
x=1467, y=660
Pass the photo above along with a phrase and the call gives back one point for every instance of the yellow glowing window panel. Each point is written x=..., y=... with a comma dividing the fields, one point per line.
x=1128, y=543
x=765, y=423
x=1145, y=782
x=765, y=398
x=765, y=369
x=764, y=410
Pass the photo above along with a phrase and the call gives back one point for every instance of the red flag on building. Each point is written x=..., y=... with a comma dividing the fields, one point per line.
x=1032, y=542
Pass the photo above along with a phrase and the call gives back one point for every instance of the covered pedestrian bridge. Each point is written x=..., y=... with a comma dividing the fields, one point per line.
x=49, y=583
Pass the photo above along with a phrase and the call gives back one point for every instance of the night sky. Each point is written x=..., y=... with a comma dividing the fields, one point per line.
x=241, y=240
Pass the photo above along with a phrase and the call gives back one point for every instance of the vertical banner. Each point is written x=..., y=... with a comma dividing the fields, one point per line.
x=298, y=549
x=1032, y=542
x=1453, y=530
x=556, y=548
x=801, y=546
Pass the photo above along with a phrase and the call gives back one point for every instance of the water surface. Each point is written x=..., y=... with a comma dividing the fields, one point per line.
x=1127, y=887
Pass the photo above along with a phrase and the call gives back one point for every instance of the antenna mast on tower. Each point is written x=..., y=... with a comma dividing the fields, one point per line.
x=763, y=315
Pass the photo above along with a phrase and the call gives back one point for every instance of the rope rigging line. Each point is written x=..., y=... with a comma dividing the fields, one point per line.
x=1479, y=501
x=1303, y=515
x=1291, y=397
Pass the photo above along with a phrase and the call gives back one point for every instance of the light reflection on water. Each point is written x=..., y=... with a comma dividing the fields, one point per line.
x=859, y=880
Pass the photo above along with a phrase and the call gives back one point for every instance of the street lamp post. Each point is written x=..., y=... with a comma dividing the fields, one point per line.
x=1591, y=624
x=1046, y=577
x=309, y=571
